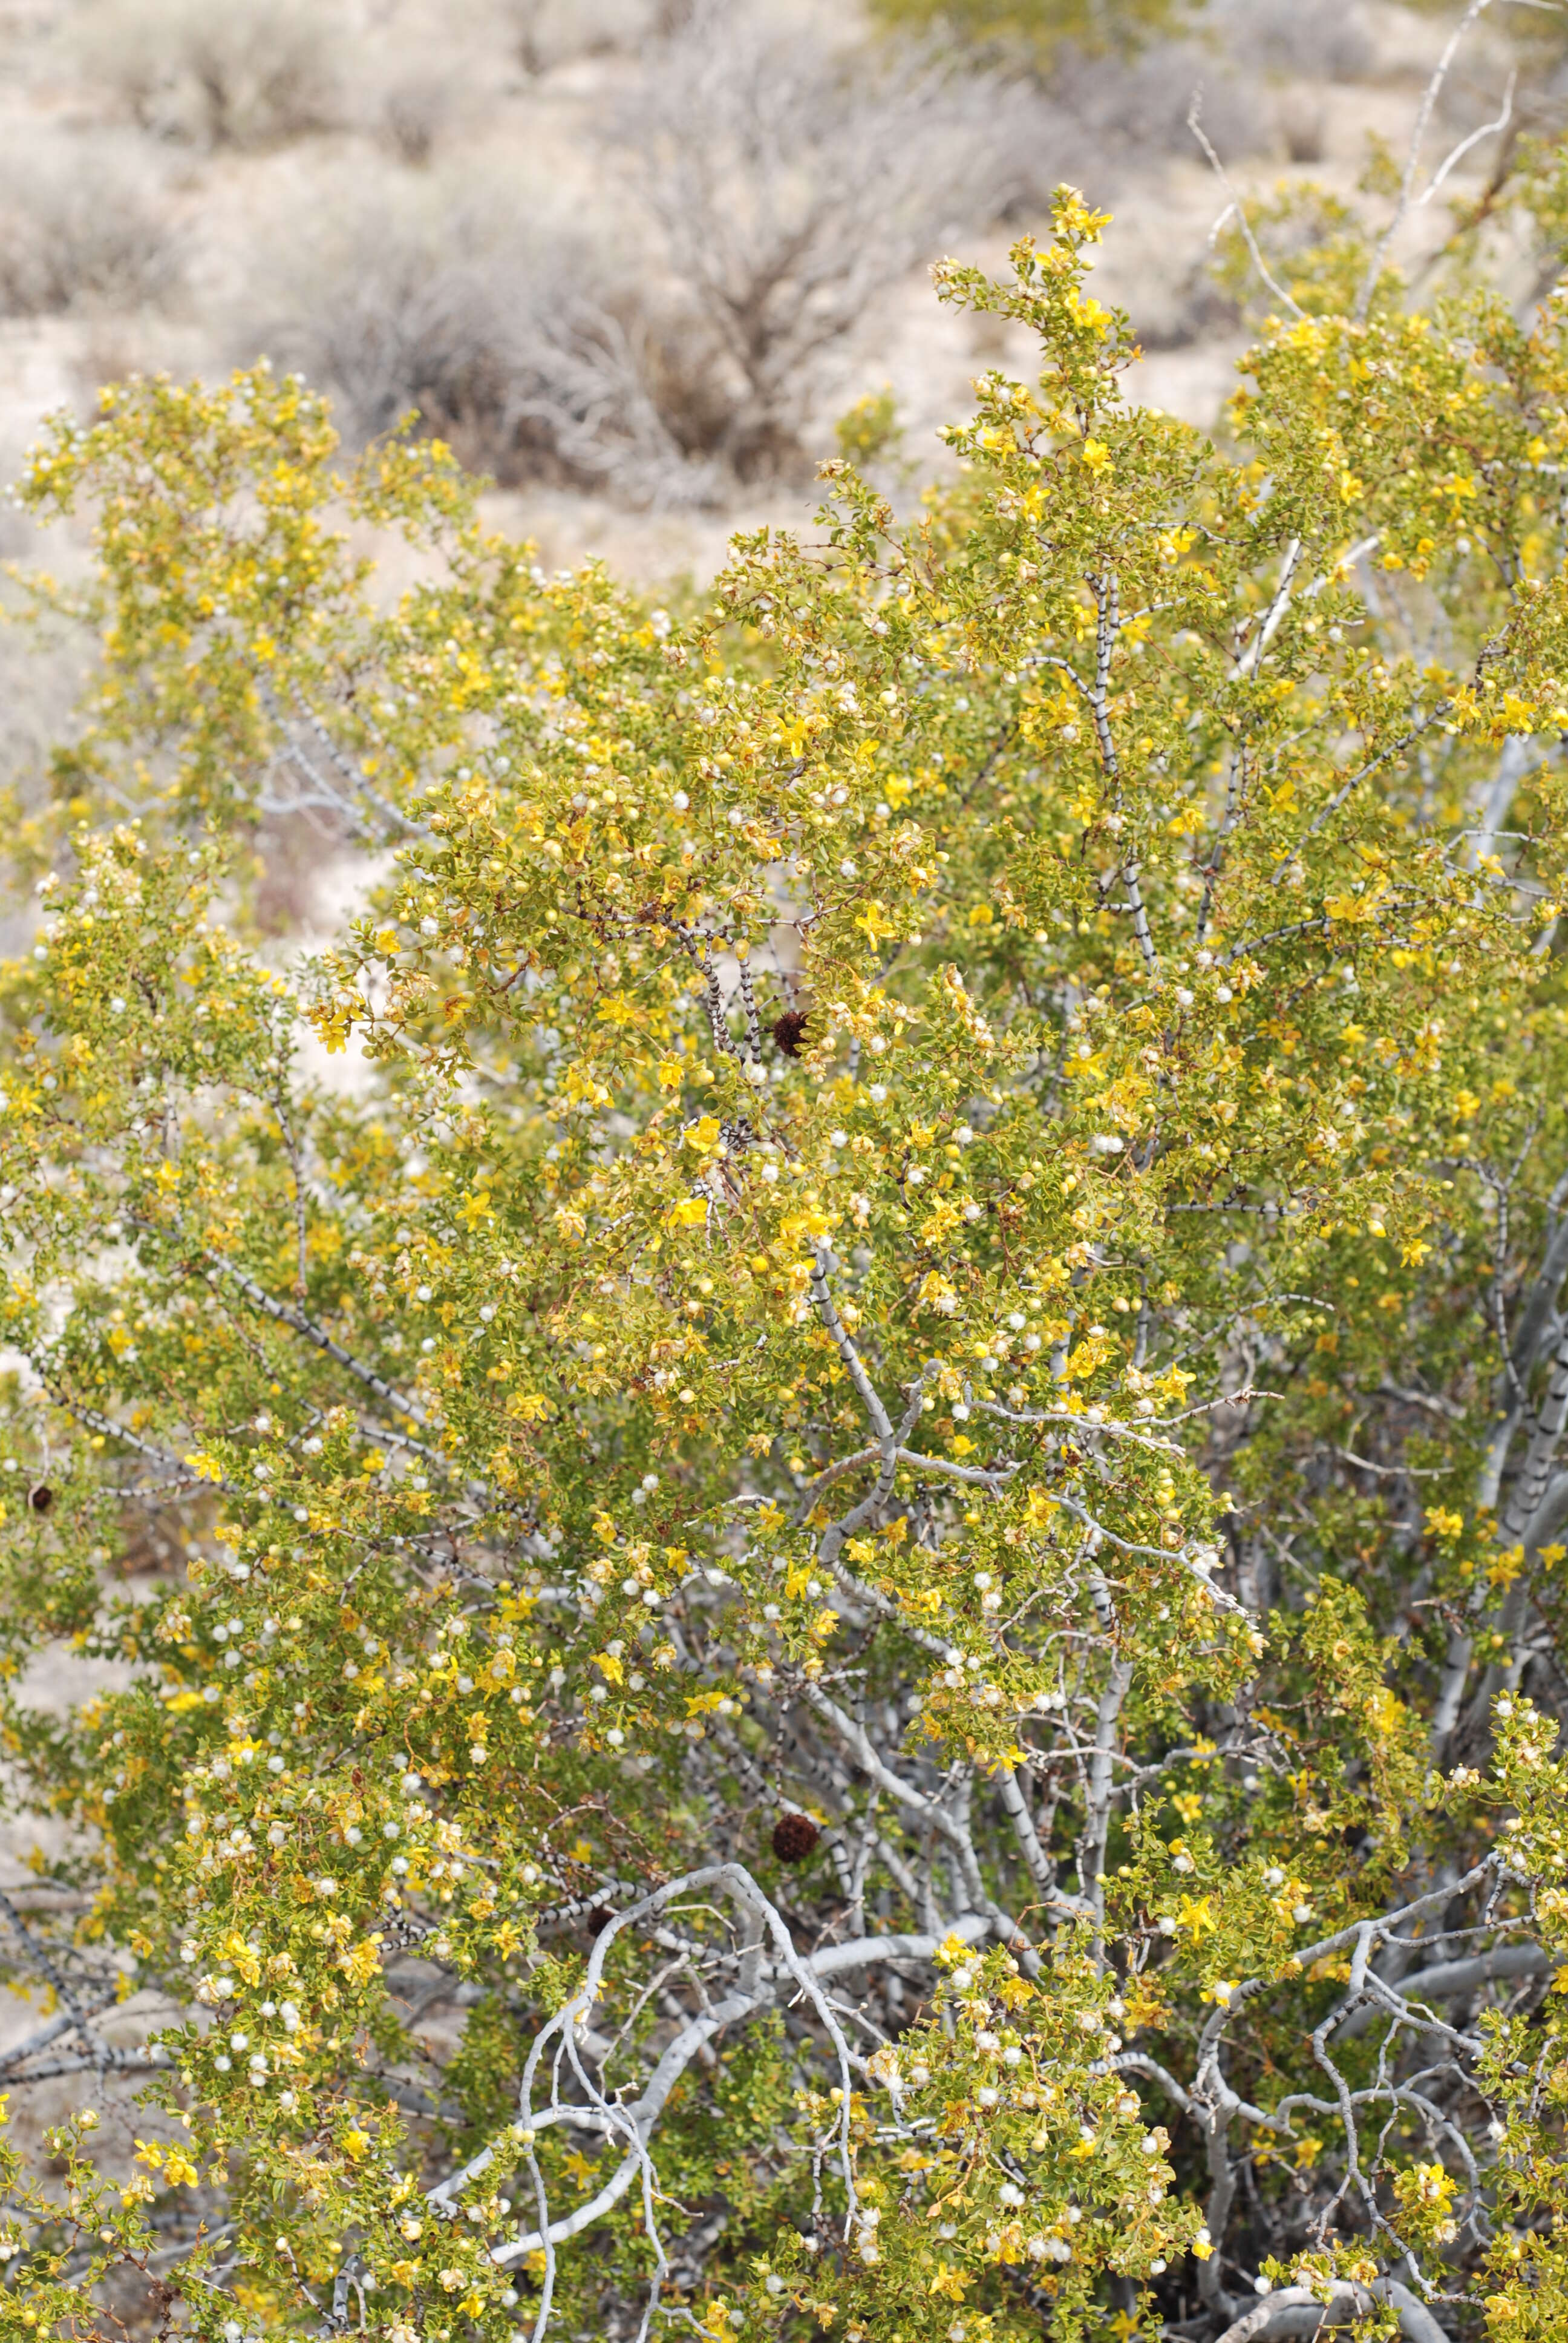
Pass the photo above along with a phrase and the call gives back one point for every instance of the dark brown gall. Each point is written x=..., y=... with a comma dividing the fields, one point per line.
x=794, y=1837
x=789, y=1031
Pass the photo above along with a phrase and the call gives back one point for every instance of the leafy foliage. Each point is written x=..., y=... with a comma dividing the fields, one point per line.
x=948, y=1220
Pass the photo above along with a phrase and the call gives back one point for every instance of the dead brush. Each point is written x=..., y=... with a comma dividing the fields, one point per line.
x=793, y=182
x=83, y=225
x=248, y=74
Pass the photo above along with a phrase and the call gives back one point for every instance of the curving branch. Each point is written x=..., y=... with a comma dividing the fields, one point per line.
x=1447, y=1981
x=766, y=1982
x=1302, y=2311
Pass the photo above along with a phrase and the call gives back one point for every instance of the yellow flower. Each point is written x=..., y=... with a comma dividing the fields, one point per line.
x=361, y=1964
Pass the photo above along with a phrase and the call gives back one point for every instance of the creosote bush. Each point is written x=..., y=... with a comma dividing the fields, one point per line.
x=950, y=1228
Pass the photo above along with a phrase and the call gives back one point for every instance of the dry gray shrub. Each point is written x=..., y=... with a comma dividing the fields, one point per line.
x=786, y=186
x=544, y=34
x=1106, y=114
x=1303, y=121
x=1319, y=40
x=83, y=225
x=625, y=392
x=793, y=183
x=422, y=72
x=387, y=296
x=529, y=348
x=421, y=100
x=223, y=72
x=1184, y=307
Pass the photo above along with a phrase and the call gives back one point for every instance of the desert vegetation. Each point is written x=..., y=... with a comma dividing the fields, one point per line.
x=782, y=1498
x=641, y=251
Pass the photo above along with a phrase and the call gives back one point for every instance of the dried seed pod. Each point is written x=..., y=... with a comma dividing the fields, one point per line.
x=794, y=1837
x=41, y=1497
x=788, y=1031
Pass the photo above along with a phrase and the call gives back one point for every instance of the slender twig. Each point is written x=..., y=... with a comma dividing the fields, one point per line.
x=1239, y=207
x=1486, y=131
x=1412, y=163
